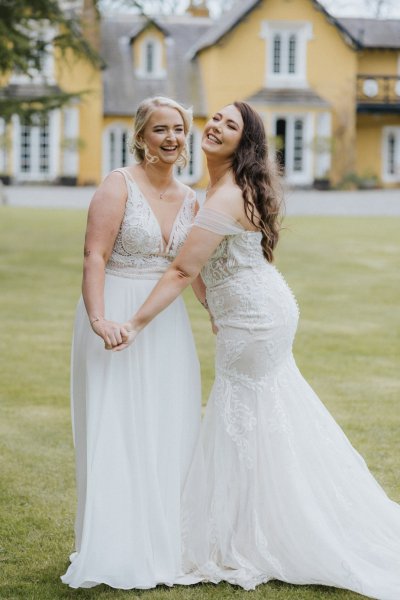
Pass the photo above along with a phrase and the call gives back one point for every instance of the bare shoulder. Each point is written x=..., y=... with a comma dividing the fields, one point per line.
x=111, y=194
x=227, y=199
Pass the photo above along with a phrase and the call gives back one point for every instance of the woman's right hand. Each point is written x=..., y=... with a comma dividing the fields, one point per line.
x=111, y=332
x=214, y=327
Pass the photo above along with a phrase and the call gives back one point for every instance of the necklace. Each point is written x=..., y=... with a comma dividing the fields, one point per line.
x=159, y=194
x=162, y=194
x=210, y=187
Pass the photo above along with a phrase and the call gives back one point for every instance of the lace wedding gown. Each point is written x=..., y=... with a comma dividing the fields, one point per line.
x=136, y=416
x=276, y=491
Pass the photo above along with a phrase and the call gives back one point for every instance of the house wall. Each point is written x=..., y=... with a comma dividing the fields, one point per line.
x=236, y=68
x=74, y=76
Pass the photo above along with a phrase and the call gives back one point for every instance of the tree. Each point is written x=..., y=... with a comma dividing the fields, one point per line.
x=24, y=43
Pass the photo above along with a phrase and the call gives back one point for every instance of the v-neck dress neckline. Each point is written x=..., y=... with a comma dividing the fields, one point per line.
x=165, y=245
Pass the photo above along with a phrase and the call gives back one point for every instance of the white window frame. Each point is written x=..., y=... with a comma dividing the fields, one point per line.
x=54, y=144
x=305, y=176
x=191, y=173
x=158, y=72
x=46, y=73
x=387, y=176
x=302, y=30
x=118, y=129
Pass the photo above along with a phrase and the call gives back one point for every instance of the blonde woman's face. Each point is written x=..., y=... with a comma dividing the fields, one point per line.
x=164, y=134
x=223, y=132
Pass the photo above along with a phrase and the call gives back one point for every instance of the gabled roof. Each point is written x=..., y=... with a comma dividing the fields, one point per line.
x=228, y=21
x=124, y=90
x=374, y=33
x=145, y=23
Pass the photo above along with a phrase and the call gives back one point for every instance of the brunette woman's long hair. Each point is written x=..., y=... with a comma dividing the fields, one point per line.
x=257, y=176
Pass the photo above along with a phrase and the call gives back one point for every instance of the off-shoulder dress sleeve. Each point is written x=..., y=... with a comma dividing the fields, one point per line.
x=217, y=222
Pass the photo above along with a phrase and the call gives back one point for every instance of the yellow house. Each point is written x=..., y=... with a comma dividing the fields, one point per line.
x=328, y=90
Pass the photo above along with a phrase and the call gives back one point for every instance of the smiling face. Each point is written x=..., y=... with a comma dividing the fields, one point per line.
x=223, y=133
x=164, y=134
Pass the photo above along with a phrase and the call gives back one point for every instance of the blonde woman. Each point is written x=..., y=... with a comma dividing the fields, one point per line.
x=135, y=414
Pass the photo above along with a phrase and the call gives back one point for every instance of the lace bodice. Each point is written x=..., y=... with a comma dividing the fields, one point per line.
x=139, y=249
x=247, y=293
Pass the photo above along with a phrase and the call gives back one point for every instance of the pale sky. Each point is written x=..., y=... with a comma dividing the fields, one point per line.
x=345, y=8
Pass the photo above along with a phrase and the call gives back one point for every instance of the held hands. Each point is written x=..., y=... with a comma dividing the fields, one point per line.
x=116, y=336
x=129, y=337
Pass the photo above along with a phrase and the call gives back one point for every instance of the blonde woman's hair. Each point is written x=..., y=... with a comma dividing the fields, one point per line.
x=145, y=109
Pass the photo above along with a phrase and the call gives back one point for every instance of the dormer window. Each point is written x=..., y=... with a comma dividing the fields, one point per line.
x=151, y=58
x=286, y=52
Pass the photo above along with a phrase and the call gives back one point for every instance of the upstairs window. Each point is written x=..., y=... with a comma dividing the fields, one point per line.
x=286, y=52
x=43, y=70
x=151, y=59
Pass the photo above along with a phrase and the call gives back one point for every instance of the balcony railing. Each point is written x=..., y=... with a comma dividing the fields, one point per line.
x=378, y=92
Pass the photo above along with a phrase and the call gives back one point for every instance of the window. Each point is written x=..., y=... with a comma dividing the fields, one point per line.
x=151, y=59
x=291, y=135
x=286, y=52
x=284, y=58
x=391, y=154
x=277, y=53
x=115, y=147
x=292, y=54
x=298, y=145
x=42, y=38
x=192, y=171
x=36, y=147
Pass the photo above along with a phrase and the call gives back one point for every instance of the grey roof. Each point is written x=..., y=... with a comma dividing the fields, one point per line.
x=305, y=97
x=224, y=25
x=123, y=90
x=374, y=33
x=241, y=9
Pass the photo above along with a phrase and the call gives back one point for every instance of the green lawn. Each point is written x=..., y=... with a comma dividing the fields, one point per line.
x=345, y=274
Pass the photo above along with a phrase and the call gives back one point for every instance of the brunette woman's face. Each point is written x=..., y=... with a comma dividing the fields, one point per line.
x=223, y=133
x=164, y=134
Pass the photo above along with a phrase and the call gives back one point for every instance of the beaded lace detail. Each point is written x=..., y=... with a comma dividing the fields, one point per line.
x=139, y=249
x=257, y=315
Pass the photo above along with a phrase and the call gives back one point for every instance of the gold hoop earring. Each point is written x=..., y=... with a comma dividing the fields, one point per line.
x=183, y=158
x=149, y=157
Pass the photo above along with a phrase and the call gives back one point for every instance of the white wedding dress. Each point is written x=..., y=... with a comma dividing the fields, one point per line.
x=276, y=491
x=136, y=416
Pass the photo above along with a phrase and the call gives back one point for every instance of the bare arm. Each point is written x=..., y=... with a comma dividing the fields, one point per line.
x=104, y=218
x=198, y=285
x=199, y=288
x=185, y=269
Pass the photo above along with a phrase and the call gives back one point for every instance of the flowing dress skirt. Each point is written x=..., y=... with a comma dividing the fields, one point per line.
x=136, y=415
x=276, y=490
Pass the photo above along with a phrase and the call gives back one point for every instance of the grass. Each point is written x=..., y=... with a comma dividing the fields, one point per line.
x=344, y=272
